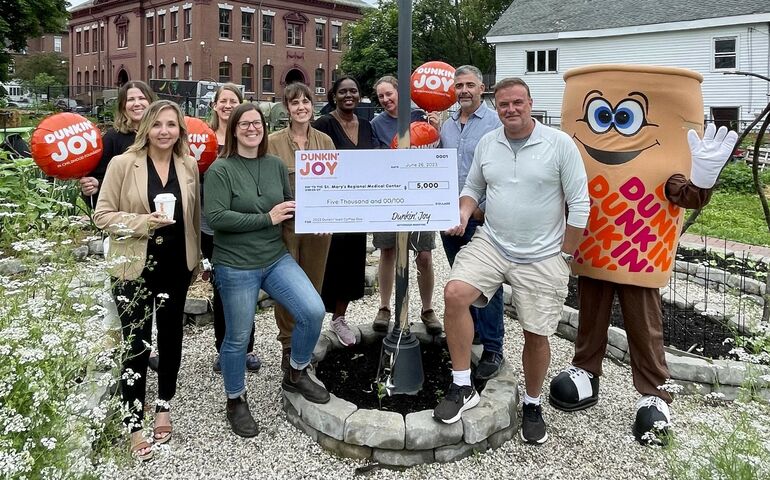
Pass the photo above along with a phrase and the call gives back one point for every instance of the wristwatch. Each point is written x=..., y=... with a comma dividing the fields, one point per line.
x=568, y=257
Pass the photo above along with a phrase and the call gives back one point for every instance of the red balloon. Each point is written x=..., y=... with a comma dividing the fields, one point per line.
x=66, y=145
x=432, y=86
x=421, y=135
x=203, y=142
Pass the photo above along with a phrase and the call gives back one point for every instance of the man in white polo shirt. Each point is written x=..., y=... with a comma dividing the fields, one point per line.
x=528, y=173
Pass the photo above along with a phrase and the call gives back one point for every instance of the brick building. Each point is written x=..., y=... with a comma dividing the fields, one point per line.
x=262, y=45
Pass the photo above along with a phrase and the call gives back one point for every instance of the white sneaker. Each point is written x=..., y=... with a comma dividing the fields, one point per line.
x=341, y=328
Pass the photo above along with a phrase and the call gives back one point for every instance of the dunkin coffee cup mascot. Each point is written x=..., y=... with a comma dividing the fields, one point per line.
x=638, y=129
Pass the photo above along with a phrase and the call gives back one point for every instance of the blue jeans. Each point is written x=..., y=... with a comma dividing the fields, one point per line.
x=287, y=284
x=487, y=321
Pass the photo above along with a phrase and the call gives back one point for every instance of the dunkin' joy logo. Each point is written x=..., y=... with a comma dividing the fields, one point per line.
x=432, y=86
x=66, y=145
x=72, y=140
x=318, y=163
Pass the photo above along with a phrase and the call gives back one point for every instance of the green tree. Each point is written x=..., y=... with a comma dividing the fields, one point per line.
x=23, y=19
x=31, y=66
x=451, y=31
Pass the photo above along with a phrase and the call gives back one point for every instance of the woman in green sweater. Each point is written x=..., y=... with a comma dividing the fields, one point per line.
x=248, y=196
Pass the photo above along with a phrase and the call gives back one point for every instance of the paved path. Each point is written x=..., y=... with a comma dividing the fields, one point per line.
x=726, y=244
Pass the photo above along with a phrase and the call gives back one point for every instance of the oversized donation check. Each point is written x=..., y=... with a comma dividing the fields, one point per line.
x=376, y=190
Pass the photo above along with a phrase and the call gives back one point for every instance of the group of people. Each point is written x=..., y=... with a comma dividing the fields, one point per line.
x=241, y=217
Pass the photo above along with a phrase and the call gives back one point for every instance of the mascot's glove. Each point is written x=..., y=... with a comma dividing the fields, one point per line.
x=710, y=154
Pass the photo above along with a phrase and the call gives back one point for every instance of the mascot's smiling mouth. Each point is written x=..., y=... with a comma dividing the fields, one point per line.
x=612, y=158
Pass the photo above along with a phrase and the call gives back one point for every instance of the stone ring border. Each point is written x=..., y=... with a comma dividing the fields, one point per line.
x=394, y=440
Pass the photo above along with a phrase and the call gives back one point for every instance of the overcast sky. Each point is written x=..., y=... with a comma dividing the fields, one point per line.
x=75, y=3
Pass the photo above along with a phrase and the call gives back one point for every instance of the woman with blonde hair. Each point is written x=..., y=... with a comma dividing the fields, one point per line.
x=133, y=99
x=152, y=257
x=226, y=99
x=309, y=251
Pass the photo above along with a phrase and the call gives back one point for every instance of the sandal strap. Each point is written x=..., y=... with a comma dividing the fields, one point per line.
x=140, y=446
x=162, y=429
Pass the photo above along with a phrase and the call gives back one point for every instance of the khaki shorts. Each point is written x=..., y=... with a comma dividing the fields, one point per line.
x=418, y=241
x=539, y=288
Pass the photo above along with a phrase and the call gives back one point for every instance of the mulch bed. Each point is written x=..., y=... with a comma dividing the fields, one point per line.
x=729, y=262
x=350, y=373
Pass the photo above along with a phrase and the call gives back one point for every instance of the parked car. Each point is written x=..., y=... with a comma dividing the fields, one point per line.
x=71, y=105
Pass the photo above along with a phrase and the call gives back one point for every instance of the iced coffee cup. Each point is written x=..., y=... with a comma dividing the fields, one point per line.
x=165, y=204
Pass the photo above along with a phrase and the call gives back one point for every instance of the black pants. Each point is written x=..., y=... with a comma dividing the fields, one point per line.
x=207, y=248
x=134, y=300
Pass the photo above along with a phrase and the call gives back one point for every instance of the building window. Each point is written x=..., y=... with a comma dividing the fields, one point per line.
x=162, y=71
x=102, y=83
x=162, y=28
x=86, y=76
x=175, y=71
x=150, y=72
x=319, y=78
x=247, y=26
x=267, y=78
x=725, y=53
x=224, y=23
x=95, y=78
x=78, y=43
x=86, y=48
x=123, y=35
x=57, y=44
x=294, y=34
x=224, y=72
x=188, y=70
x=94, y=40
x=187, y=23
x=79, y=79
x=174, y=19
x=336, y=37
x=247, y=75
x=335, y=75
x=320, y=35
x=101, y=40
x=267, y=29
x=150, y=30
x=541, y=61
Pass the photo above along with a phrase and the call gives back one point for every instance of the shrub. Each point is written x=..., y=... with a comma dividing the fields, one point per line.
x=738, y=178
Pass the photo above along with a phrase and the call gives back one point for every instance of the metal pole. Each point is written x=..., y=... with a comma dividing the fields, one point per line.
x=404, y=107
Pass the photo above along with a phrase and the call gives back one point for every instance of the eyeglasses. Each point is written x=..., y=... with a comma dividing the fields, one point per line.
x=257, y=124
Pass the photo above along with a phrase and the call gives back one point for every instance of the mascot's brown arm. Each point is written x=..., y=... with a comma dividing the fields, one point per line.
x=683, y=193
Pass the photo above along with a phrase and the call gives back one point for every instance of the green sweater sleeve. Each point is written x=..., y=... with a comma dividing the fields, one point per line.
x=218, y=195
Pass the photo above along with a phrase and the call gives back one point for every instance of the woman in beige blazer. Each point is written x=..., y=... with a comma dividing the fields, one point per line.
x=152, y=257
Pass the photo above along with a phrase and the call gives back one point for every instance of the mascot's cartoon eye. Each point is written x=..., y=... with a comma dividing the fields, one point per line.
x=629, y=117
x=599, y=115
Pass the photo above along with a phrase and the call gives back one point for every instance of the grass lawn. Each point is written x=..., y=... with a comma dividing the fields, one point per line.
x=734, y=216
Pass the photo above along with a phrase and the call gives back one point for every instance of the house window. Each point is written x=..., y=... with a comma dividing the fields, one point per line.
x=224, y=72
x=174, y=18
x=725, y=53
x=267, y=29
x=725, y=116
x=150, y=30
x=86, y=48
x=78, y=43
x=187, y=23
x=267, y=78
x=175, y=71
x=224, y=23
x=150, y=72
x=123, y=35
x=319, y=78
x=247, y=26
x=162, y=71
x=188, y=70
x=57, y=44
x=336, y=37
x=541, y=61
x=294, y=34
x=247, y=75
x=162, y=28
x=320, y=35
x=94, y=40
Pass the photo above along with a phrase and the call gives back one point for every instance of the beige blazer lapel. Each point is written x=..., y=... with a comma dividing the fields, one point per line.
x=182, y=176
x=140, y=179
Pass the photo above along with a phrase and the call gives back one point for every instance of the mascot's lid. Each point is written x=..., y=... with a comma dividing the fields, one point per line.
x=634, y=69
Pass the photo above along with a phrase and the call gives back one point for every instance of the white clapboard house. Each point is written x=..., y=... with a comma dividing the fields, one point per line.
x=539, y=40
